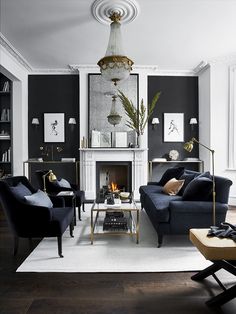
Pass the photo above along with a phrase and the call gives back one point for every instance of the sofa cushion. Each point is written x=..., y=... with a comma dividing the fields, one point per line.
x=187, y=177
x=199, y=189
x=170, y=173
x=173, y=186
x=157, y=205
x=20, y=191
x=39, y=199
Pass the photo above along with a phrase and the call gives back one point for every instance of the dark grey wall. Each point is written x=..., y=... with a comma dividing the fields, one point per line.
x=53, y=94
x=178, y=95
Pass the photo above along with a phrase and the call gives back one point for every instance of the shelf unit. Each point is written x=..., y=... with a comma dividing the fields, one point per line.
x=5, y=126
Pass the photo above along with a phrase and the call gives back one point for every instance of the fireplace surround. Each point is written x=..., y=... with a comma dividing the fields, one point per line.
x=90, y=158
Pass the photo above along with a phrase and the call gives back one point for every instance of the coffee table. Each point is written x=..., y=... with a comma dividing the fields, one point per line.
x=98, y=213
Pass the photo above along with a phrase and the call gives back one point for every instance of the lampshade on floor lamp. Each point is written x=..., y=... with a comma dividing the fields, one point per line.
x=188, y=146
x=51, y=178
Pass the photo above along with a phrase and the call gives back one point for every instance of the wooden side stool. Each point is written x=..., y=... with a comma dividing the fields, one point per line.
x=222, y=253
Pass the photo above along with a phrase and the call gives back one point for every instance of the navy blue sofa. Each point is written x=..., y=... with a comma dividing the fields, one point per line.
x=177, y=214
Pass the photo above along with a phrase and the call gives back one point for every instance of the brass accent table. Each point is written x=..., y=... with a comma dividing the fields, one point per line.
x=99, y=210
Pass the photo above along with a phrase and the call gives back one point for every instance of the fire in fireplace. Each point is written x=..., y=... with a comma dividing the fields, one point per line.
x=113, y=176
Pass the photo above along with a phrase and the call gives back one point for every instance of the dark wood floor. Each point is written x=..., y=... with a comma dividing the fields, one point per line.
x=110, y=293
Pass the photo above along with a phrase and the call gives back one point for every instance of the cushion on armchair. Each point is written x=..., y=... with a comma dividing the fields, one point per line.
x=170, y=173
x=63, y=183
x=20, y=191
x=39, y=199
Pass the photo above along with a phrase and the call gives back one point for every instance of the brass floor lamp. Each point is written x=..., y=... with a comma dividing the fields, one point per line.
x=188, y=146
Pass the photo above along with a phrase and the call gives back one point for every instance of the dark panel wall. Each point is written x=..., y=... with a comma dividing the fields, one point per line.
x=53, y=94
x=178, y=95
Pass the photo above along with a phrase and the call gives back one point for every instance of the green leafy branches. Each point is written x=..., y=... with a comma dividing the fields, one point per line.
x=137, y=116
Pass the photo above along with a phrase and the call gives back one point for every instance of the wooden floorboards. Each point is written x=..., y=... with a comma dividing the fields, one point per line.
x=134, y=293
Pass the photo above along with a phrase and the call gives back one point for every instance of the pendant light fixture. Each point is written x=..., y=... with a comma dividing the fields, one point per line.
x=114, y=118
x=115, y=66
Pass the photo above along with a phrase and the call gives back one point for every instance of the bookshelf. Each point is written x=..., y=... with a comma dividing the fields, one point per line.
x=5, y=126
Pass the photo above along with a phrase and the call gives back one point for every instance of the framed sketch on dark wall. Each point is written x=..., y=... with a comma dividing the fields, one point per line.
x=100, y=96
x=54, y=127
x=173, y=127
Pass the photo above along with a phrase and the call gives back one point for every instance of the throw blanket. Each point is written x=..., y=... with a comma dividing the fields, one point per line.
x=226, y=230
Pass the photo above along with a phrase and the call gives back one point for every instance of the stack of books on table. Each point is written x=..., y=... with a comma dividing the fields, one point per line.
x=115, y=221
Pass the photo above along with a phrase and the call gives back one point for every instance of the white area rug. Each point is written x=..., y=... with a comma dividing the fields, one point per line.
x=114, y=253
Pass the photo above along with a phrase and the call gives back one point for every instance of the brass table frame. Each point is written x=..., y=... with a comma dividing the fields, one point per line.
x=125, y=207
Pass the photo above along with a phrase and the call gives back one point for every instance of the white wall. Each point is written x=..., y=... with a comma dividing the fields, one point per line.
x=19, y=75
x=214, y=119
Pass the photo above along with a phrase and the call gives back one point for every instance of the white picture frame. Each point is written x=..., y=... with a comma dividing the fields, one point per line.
x=95, y=138
x=173, y=127
x=54, y=127
x=121, y=139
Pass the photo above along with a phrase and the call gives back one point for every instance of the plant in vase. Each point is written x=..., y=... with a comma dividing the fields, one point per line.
x=137, y=117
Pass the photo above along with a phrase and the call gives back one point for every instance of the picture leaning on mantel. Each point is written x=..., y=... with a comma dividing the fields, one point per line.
x=173, y=127
x=100, y=94
x=54, y=127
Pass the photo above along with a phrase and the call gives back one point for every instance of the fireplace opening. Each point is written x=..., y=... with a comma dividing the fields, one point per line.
x=113, y=176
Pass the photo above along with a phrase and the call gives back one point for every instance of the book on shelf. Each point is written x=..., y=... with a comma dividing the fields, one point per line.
x=6, y=87
x=5, y=114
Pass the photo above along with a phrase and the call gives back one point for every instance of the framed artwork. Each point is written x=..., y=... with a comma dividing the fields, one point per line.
x=105, y=139
x=120, y=139
x=100, y=94
x=173, y=127
x=54, y=127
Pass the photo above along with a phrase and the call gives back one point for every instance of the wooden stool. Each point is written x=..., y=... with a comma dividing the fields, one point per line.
x=222, y=253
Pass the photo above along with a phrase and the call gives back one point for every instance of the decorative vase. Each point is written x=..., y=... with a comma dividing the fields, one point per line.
x=140, y=141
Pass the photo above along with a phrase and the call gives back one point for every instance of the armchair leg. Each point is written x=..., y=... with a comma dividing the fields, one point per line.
x=83, y=207
x=16, y=245
x=160, y=240
x=79, y=212
x=59, y=243
x=71, y=229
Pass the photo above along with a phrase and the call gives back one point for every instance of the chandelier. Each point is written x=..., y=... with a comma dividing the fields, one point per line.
x=114, y=118
x=115, y=66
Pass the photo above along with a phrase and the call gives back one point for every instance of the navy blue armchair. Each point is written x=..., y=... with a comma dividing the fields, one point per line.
x=30, y=221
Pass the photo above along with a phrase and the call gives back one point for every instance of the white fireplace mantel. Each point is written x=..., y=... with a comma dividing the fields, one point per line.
x=89, y=157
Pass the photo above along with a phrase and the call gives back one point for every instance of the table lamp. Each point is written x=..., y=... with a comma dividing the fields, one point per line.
x=51, y=178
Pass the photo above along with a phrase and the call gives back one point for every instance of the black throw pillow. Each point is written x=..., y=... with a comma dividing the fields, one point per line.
x=199, y=189
x=187, y=177
x=171, y=173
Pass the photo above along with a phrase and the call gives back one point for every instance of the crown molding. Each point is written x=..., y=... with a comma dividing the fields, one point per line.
x=4, y=42
x=53, y=71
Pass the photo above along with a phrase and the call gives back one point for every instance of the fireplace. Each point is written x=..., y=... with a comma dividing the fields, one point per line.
x=135, y=159
x=113, y=175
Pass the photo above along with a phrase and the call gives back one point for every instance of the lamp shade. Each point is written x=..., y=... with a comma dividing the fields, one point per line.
x=155, y=121
x=193, y=121
x=35, y=121
x=115, y=66
x=72, y=121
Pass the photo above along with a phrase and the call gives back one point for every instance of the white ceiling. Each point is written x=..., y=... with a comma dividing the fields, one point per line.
x=172, y=34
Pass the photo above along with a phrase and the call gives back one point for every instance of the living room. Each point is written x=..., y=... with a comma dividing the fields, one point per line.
x=49, y=54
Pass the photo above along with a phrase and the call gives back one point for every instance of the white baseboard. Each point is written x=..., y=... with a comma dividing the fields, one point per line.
x=232, y=200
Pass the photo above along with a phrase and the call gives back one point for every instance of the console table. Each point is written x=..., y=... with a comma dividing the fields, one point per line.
x=199, y=163
x=66, y=169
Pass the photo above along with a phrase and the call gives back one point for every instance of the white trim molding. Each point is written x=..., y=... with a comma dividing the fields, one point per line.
x=232, y=118
x=4, y=42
